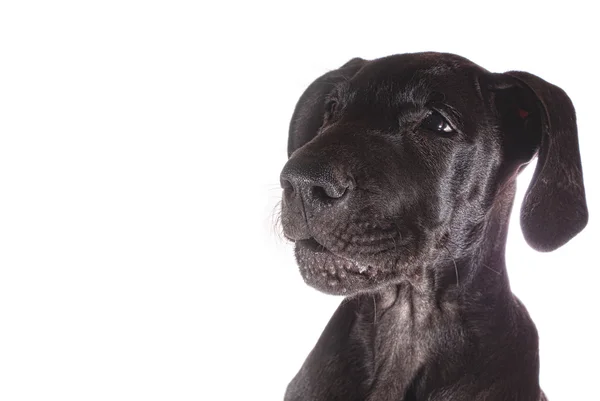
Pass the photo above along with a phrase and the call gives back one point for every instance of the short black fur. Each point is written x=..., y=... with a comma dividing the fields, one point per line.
x=405, y=213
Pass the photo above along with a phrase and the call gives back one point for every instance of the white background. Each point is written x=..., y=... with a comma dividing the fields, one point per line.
x=140, y=149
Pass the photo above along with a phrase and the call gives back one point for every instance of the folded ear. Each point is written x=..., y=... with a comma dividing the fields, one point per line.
x=310, y=109
x=554, y=209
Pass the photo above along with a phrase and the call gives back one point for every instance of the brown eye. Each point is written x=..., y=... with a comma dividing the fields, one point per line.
x=435, y=122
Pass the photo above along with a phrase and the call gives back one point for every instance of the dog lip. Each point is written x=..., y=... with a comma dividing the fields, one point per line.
x=312, y=244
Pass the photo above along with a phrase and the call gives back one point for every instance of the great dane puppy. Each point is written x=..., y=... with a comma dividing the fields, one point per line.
x=397, y=194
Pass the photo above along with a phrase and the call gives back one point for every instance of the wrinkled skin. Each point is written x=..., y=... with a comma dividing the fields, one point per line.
x=397, y=195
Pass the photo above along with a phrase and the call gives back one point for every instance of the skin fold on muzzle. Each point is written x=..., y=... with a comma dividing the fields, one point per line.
x=397, y=194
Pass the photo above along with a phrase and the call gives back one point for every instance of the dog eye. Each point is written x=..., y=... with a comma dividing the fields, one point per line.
x=437, y=123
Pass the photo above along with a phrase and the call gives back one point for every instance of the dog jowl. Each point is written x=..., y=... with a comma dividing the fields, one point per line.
x=397, y=194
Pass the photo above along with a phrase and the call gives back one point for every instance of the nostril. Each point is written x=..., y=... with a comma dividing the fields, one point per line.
x=288, y=190
x=286, y=185
x=318, y=183
x=329, y=192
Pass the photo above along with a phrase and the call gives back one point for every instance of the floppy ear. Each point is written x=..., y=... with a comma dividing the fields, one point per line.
x=310, y=109
x=554, y=209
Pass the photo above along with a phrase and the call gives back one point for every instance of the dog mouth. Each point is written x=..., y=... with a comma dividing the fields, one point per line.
x=330, y=272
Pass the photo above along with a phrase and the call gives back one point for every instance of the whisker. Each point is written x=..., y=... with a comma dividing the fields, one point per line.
x=276, y=226
x=274, y=187
x=489, y=268
x=398, y=231
x=374, y=310
x=453, y=261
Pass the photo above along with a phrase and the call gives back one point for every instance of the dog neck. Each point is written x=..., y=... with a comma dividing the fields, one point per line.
x=414, y=322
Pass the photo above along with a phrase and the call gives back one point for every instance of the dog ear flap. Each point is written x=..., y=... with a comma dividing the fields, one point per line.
x=310, y=109
x=554, y=209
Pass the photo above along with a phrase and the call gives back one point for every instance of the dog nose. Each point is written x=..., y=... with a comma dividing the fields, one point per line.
x=316, y=184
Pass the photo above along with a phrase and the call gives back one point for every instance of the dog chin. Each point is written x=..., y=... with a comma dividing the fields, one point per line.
x=334, y=274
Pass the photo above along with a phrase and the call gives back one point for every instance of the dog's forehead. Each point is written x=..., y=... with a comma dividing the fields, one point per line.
x=403, y=67
x=417, y=74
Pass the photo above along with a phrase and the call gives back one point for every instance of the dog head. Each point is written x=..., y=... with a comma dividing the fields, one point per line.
x=397, y=162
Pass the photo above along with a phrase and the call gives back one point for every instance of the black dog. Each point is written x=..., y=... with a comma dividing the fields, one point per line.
x=397, y=194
